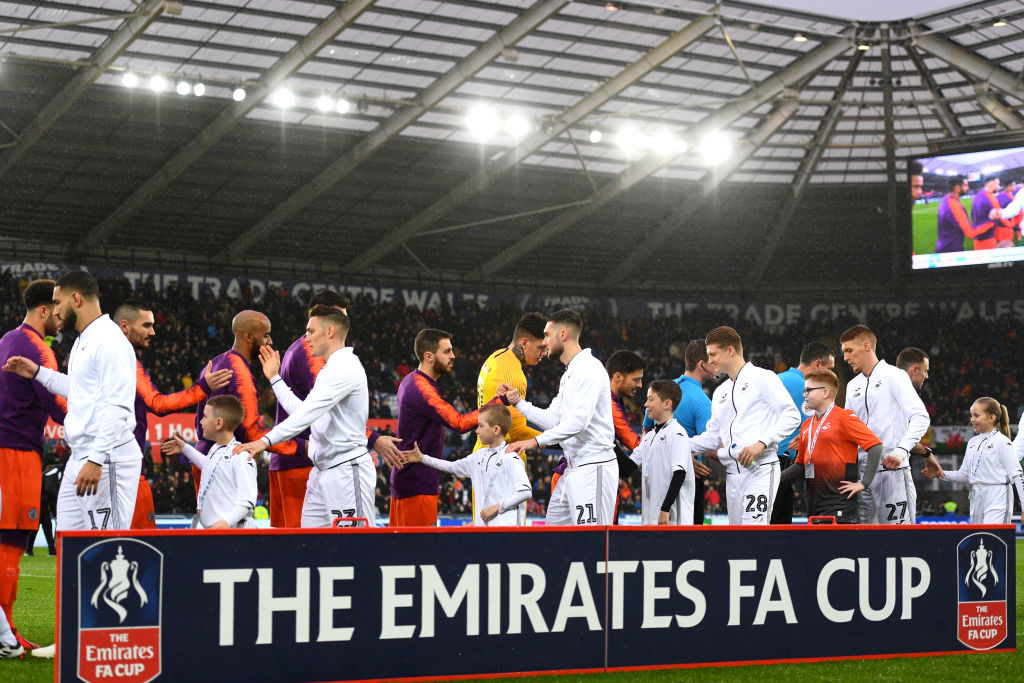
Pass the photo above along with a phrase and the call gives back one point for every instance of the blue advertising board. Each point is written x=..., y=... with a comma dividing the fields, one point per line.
x=363, y=604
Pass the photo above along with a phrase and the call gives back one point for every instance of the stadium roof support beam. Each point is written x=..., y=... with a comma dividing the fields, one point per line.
x=796, y=72
x=481, y=180
x=397, y=122
x=323, y=34
x=943, y=113
x=803, y=175
x=997, y=110
x=964, y=61
x=669, y=227
x=114, y=46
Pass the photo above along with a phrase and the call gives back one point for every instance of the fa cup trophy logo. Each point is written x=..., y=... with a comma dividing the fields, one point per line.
x=981, y=569
x=117, y=579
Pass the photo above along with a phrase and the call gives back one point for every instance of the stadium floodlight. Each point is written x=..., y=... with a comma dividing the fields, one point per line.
x=343, y=106
x=481, y=121
x=800, y=38
x=238, y=94
x=129, y=80
x=595, y=136
x=158, y=83
x=283, y=98
x=183, y=88
x=998, y=23
x=631, y=140
x=199, y=89
x=517, y=126
x=325, y=104
x=613, y=6
x=715, y=148
x=664, y=143
x=863, y=47
x=950, y=171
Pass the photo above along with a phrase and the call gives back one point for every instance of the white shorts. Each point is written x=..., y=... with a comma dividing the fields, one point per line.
x=345, y=490
x=111, y=507
x=991, y=504
x=751, y=497
x=585, y=496
x=894, y=498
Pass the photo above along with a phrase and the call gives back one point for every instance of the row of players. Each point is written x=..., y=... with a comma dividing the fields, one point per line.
x=106, y=386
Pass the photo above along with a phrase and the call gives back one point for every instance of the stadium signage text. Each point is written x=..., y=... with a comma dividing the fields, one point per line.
x=759, y=313
x=292, y=605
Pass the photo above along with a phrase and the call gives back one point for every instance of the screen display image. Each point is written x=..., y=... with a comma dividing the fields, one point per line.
x=966, y=214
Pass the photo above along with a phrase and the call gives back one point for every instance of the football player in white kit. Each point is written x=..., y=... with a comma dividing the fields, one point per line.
x=883, y=397
x=343, y=479
x=499, y=478
x=101, y=478
x=579, y=418
x=990, y=466
x=751, y=412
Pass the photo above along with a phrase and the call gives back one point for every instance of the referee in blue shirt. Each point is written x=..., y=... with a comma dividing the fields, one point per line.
x=694, y=408
x=814, y=356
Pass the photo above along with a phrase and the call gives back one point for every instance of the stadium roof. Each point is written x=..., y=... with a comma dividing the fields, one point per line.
x=601, y=132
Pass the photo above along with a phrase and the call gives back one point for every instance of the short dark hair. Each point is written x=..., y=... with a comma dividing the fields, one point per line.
x=816, y=351
x=332, y=316
x=696, y=351
x=38, y=293
x=568, y=318
x=915, y=168
x=910, y=357
x=625, y=362
x=228, y=408
x=326, y=297
x=498, y=415
x=81, y=282
x=856, y=331
x=531, y=325
x=129, y=310
x=428, y=340
x=954, y=182
x=667, y=390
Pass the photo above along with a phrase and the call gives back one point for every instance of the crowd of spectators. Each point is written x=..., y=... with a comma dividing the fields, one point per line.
x=967, y=361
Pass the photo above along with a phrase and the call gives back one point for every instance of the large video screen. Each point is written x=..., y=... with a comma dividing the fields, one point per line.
x=962, y=217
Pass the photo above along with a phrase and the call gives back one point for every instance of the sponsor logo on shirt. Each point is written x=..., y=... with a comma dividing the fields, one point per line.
x=981, y=580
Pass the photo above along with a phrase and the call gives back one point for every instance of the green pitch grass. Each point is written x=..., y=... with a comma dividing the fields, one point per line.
x=925, y=224
x=34, y=615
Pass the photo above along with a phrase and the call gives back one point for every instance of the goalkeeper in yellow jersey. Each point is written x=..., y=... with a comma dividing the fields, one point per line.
x=505, y=366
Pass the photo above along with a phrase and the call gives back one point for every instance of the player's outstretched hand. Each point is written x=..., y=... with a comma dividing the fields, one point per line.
x=509, y=393
x=172, y=445
x=216, y=380
x=700, y=469
x=21, y=366
x=850, y=487
x=253, y=448
x=520, y=446
x=995, y=214
x=662, y=518
x=271, y=361
x=387, y=449
x=489, y=512
x=414, y=455
x=932, y=469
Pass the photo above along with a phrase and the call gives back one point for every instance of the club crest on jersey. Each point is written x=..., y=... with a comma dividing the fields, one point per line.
x=119, y=610
x=878, y=384
x=981, y=581
x=745, y=385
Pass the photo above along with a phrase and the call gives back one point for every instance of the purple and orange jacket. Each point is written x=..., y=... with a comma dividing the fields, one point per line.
x=24, y=403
